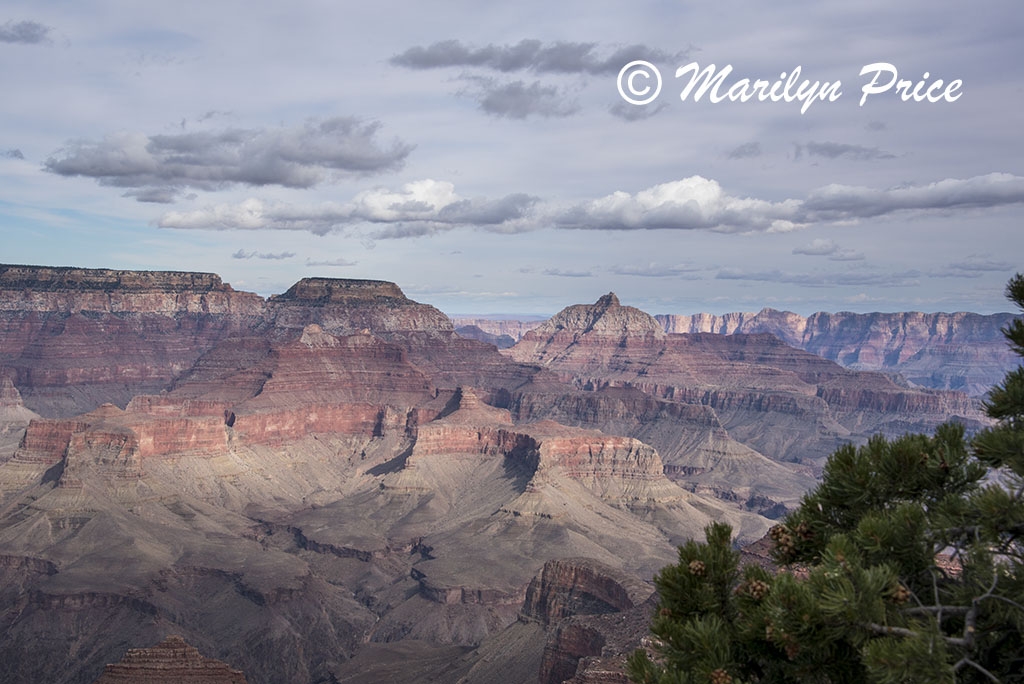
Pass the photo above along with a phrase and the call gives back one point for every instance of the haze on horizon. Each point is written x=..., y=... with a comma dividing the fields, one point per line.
x=483, y=160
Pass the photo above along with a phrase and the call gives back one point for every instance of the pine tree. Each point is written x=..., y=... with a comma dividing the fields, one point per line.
x=903, y=565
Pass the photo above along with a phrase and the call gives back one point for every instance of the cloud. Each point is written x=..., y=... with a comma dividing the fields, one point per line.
x=418, y=208
x=559, y=57
x=630, y=112
x=12, y=153
x=745, y=151
x=693, y=203
x=157, y=167
x=242, y=254
x=331, y=262
x=653, y=270
x=26, y=32
x=875, y=126
x=973, y=266
x=519, y=100
x=558, y=272
x=429, y=206
x=829, y=248
x=834, y=150
x=843, y=202
x=825, y=279
x=698, y=203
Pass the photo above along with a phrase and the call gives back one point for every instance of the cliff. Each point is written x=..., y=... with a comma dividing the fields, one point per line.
x=959, y=351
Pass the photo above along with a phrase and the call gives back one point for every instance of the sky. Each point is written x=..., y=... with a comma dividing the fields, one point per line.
x=481, y=155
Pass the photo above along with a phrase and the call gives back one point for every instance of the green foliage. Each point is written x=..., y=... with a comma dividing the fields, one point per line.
x=903, y=565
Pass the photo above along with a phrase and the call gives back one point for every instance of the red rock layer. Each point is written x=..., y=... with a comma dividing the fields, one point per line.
x=172, y=661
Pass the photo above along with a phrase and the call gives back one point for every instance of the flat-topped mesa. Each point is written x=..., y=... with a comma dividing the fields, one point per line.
x=606, y=317
x=346, y=305
x=172, y=661
x=67, y=289
x=322, y=291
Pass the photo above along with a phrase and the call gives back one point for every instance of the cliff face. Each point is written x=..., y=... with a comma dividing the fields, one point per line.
x=960, y=351
x=71, y=290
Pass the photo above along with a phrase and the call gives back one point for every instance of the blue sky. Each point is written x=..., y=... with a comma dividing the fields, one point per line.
x=481, y=157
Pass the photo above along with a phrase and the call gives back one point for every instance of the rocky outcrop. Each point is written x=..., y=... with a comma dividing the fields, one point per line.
x=606, y=317
x=960, y=351
x=580, y=586
x=172, y=661
x=562, y=597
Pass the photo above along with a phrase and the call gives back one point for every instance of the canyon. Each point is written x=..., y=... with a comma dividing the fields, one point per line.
x=333, y=485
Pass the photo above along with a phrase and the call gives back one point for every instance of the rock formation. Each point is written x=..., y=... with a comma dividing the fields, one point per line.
x=961, y=351
x=172, y=661
x=499, y=326
x=472, y=332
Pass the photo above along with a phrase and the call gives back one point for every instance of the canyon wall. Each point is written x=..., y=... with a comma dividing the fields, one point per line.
x=960, y=351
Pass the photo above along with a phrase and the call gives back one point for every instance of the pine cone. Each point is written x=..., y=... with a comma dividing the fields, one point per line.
x=900, y=594
x=720, y=676
x=757, y=589
x=697, y=568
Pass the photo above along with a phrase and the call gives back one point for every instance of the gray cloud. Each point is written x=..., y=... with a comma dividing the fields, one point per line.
x=26, y=32
x=299, y=157
x=745, y=151
x=276, y=256
x=698, y=203
x=12, y=153
x=875, y=126
x=834, y=150
x=331, y=262
x=825, y=279
x=653, y=270
x=559, y=57
x=829, y=248
x=418, y=208
x=561, y=273
x=973, y=266
x=519, y=100
x=629, y=112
